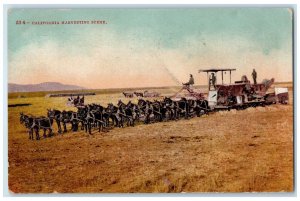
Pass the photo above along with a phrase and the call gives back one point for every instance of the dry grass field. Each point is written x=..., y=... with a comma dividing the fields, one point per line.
x=231, y=151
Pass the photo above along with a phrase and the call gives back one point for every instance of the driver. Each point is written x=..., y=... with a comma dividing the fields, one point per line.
x=190, y=83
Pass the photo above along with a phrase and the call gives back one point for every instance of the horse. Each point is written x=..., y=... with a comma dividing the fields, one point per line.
x=101, y=117
x=117, y=119
x=23, y=118
x=151, y=94
x=157, y=110
x=147, y=108
x=81, y=114
x=203, y=107
x=88, y=119
x=76, y=101
x=44, y=123
x=127, y=112
x=57, y=116
x=183, y=107
x=35, y=124
x=171, y=108
x=135, y=110
x=66, y=117
x=128, y=94
x=81, y=101
x=139, y=94
x=28, y=122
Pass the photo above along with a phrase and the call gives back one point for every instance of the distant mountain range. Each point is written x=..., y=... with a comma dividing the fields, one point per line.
x=45, y=86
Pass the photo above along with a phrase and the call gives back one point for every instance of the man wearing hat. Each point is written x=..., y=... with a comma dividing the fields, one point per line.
x=254, y=76
x=190, y=83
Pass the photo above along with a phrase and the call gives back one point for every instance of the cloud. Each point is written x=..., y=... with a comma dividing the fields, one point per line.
x=105, y=59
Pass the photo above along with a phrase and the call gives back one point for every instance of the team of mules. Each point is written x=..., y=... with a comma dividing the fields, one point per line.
x=76, y=101
x=141, y=94
x=95, y=116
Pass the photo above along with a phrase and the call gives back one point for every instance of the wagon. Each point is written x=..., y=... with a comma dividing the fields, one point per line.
x=151, y=94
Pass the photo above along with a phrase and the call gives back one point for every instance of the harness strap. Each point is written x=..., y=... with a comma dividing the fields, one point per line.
x=77, y=119
x=39, y=124
x=129, y=117
x=99, y=121
x=156, y=112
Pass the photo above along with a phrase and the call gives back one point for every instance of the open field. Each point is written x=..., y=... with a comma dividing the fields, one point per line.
x=232, y=151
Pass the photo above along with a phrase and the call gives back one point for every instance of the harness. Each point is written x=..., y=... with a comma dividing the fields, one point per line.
x=94, y=119
x=39, y=123
x=75, y=118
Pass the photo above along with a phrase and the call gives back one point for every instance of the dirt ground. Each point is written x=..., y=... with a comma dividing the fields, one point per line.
x=231, y=151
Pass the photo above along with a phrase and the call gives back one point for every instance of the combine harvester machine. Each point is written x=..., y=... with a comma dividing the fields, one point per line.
x=241, y=94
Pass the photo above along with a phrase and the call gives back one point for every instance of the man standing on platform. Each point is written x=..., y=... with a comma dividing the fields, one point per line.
x=254, y=76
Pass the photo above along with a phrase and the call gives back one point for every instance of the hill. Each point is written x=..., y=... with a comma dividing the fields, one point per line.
x=45, y=86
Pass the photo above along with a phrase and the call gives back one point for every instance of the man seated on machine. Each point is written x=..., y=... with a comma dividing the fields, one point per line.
x=190, y=83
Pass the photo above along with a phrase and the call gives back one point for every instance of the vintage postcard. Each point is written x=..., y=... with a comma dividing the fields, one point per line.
x=150, y=100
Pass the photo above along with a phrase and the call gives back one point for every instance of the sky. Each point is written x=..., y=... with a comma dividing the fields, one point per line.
x=148, y=47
